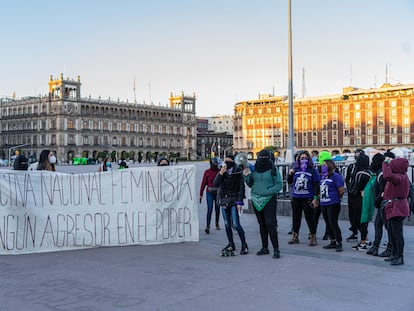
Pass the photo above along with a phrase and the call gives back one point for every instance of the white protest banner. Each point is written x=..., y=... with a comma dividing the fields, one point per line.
x=42, y=211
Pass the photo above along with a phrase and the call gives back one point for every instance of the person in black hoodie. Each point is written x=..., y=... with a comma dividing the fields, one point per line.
x=360, y=179
x=379, y=222
x=231, y=193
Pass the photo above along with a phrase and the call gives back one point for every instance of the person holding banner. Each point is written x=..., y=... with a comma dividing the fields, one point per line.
x=47, y=161
x=231, y=193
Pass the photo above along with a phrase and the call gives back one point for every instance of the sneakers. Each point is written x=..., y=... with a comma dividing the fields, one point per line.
x=263, y=251
x=352, y=238
x=361, y=246
x=207, y=230
x=339, y=247
x=276, y=254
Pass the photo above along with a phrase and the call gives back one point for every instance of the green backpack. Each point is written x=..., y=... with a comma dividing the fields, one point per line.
x=368, y=200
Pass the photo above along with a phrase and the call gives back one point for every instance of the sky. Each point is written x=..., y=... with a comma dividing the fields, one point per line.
x=224, y=51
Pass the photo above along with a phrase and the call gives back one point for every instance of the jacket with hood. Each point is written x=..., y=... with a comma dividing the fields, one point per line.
x=397, y=188
x=376, y=167
x=361, y=176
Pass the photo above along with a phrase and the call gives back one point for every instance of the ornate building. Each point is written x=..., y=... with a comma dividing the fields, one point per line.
x=83, y=127
x=381, y=118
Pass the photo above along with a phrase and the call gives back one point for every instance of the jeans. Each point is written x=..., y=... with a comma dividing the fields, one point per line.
x=211, y=200
x=231, y=216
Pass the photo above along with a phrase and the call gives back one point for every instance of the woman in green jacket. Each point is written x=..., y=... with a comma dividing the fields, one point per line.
x=265, y=183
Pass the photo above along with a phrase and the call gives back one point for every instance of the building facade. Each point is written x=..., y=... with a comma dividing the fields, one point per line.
x=221, y=124
x=73, y=126
x=381, y=118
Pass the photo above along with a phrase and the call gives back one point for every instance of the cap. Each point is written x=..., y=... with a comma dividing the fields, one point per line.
x=324, y=155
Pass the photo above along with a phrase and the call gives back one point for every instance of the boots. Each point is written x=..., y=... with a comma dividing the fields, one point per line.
x=331, y=245
x=276, y=254
x=373, y=251
x=339, y=247
x=244, y=249
x=312, y=240
x=295, y=239
x=398, y=261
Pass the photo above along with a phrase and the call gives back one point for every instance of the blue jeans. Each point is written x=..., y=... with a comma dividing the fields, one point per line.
x=231, y=217
x=211, y=200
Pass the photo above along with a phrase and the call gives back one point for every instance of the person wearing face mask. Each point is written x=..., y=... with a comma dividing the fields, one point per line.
x=304, y=179
x=331, y=191
x=323, y=155
x=230, y=195
x=211, y=193
x=349, y=179
x=265, y=183
x=47, y=161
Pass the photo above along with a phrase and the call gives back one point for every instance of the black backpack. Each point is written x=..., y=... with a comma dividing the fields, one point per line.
x=21, y=163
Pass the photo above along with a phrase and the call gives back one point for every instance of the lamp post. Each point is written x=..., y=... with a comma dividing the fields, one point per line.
x=14, y=148
x=225, y=151
x=291, y=139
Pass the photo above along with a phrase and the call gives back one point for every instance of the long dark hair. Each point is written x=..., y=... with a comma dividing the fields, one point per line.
x=44, y=163
x=310, y=161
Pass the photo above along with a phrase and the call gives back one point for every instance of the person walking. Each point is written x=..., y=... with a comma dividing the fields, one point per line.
x=231, y=193
x=304, y=179
x=207, y=183
x=265, y=183
x=331, y=191
x=396, y=205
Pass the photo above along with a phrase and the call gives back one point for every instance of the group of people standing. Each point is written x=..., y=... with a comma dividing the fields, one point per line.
x=225, y=187
x=315, y=190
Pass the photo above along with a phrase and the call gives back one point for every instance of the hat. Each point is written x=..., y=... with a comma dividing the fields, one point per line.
x=323, y=156
x=389, y=154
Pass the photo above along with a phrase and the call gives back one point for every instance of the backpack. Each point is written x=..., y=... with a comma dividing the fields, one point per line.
x=368, y=199
x=410, y=198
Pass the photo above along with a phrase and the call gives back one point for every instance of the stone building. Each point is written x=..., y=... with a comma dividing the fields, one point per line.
x=381, y=118
x=73, y=126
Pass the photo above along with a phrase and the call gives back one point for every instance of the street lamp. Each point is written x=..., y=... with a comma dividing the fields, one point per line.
x=225, y=151
x=14, y=148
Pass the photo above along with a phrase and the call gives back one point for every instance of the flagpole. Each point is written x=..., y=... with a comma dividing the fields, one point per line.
x=291, y=138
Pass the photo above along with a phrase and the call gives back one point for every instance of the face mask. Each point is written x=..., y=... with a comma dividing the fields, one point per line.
x=303, y=164
x=324, y=170
x=52, y=159
x=229, y=164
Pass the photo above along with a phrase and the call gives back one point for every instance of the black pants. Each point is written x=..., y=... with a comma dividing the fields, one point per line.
x=379, y=223
x=304, y=205
x=332, y=213
x=317, y=214
x=267, y=223
x=396, y=235
x=355, y=220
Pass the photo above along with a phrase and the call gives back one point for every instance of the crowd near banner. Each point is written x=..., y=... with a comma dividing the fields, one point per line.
x=42, y=211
